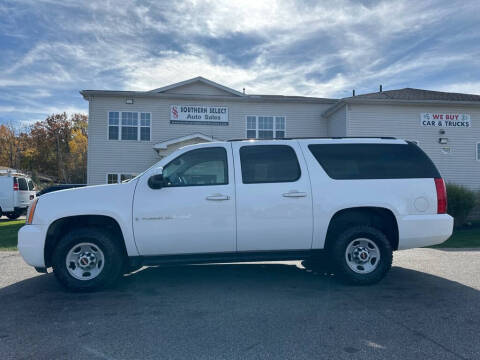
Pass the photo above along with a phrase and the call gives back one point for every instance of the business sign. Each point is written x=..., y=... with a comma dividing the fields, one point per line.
x=445, y=120
x=198, y=115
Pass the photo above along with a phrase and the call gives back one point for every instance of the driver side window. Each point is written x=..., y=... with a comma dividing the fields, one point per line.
x=205, y=166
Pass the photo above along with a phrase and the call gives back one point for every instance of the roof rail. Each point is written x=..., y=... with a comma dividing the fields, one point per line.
x=324, y=137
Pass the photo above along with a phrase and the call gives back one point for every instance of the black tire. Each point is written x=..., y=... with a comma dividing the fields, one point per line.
x=338, y=247
x=112, y=268
x=12, y=215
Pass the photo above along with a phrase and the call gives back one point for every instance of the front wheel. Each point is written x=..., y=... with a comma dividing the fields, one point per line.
x=87, y=259
x=361, y=255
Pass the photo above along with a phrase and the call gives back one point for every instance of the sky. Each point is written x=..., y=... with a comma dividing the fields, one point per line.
x=50, y=50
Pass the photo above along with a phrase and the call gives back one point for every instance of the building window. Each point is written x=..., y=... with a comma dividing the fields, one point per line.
x=478, y=151
x=116, y=178
x=112, y=178
x=127, y=125
x=113, y=125
x=265, y=127
x=145, y=126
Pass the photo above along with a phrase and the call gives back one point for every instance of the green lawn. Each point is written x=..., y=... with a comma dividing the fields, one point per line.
x=462, y=238
x=465, y=237
x=8, y=233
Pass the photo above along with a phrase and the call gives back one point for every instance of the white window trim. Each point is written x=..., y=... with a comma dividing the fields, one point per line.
x=274, y=125
x=476, y=151
x=139, y=114
x=119, y=176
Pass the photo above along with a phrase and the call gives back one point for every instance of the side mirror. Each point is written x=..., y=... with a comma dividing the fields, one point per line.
x=156, y=181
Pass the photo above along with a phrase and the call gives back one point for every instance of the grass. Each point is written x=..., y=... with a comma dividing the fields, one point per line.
x=8, y=234
x=466, y=237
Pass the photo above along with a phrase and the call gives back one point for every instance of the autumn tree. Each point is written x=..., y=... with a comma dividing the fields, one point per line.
x=55, y=147
x=10, y=148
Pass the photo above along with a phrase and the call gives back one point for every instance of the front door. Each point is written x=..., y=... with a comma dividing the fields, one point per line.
x=274, y=200
x=195, y=211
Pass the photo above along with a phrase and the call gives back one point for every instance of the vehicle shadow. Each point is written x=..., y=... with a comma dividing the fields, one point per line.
x=242, y=310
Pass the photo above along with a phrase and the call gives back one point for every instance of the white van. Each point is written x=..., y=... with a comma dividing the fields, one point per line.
x=17, y=192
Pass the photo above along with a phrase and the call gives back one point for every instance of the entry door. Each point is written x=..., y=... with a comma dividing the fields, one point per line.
x=195, y=211
x=274, y=200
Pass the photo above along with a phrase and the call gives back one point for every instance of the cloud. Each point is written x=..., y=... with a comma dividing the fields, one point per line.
x=52, y=49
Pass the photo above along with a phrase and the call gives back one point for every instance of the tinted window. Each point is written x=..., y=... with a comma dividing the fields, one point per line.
x=22, y=184
x=374, y=161
x=31, y=185
x=207, y=166
x=269, y=164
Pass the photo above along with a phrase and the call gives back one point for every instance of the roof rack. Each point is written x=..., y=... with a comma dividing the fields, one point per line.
x=324, y=137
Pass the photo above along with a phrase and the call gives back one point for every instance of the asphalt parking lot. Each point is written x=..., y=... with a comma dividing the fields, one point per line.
x=426, y=308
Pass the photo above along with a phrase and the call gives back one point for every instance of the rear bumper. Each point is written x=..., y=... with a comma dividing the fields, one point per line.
x=424, y=230
x=31, y=243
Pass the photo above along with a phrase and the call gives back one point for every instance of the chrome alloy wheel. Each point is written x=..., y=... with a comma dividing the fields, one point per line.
x=362, y=255
x=85, y=261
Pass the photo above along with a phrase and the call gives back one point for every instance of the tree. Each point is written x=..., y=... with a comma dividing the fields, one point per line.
x=55, y=147
x=9, y=146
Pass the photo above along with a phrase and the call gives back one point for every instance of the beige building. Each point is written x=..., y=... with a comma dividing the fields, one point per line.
x=129, y=131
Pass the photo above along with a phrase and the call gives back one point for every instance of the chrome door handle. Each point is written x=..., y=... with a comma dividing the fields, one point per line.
x=294, y=193
x=217, y=197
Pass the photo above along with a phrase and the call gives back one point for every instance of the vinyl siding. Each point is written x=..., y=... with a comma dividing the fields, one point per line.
x=403, y=121
x=105, y=156
x=337, y=122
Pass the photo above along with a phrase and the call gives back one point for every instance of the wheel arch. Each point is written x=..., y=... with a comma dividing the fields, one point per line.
x=379, y=217
x=63, y=225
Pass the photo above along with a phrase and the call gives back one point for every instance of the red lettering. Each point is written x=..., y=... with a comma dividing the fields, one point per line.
x=435, y=116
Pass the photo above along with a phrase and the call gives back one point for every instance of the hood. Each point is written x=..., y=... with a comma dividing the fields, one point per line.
x=90, y=200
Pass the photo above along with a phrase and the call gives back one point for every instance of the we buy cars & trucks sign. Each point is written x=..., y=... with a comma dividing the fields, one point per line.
x=445, y=120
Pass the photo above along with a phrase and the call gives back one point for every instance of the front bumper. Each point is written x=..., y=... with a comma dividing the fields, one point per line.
x=31, y=244
x=424, y=230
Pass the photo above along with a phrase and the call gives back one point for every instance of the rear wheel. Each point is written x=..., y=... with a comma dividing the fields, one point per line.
x=87, y=259
x=13, y=215
x=361, y=255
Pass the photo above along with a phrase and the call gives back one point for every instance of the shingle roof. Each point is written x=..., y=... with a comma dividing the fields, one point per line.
x=418, y=95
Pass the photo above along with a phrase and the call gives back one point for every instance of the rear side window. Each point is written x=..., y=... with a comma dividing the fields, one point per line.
x=374, y=161
x=31, y=185
x=269, y=164
x=22, y=184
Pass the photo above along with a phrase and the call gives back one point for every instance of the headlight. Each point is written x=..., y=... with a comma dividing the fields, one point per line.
x=31, y=211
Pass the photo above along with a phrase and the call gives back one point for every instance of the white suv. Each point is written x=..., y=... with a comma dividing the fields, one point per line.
x=355, y=199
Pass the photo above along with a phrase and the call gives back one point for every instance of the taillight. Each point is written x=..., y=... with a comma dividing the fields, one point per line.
x=441, y=196
x=15, y=186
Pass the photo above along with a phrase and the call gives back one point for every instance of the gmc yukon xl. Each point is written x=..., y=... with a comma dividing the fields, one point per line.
x=354, y=199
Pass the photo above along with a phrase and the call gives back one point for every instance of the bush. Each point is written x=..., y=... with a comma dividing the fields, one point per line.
x=461, y=201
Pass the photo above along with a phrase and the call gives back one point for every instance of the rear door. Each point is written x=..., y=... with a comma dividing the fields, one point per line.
x=23, y=195
x=274, y=202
